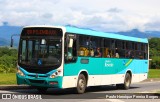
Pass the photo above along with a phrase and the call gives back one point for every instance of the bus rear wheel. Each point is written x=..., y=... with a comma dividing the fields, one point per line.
x=81, y=84
x=127, y=82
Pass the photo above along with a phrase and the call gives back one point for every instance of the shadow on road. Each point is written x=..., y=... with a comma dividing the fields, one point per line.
x=52, y=91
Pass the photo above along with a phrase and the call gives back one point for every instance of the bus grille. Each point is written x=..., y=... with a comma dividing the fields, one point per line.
x=40, y=71
x=36, y=81
x=40, y=76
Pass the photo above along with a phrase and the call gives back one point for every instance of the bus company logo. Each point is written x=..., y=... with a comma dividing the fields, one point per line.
x=108, y=63
x=124, y=62
x=6, y=96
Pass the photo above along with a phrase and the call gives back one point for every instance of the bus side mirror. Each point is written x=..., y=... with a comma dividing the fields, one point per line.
x=11, y=43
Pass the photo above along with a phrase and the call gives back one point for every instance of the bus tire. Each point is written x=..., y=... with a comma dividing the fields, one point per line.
x=127, y=82
x=42, y=89
x=81, y=84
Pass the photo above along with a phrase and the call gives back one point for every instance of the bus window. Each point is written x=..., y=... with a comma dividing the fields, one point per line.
x=70, y=48
x=107, y=47
x=23, y=56
x=146, y=51
x=129, y=52
x=84, y=45
x=120, y=49
x=96, y=46
x=30, y=50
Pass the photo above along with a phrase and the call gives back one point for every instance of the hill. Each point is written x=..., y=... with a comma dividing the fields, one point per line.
x=4, y=42
x=137, y=33
x=7, y=31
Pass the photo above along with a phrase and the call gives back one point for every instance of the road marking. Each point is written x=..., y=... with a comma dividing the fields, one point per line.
x=2, y=91
x=114, y=100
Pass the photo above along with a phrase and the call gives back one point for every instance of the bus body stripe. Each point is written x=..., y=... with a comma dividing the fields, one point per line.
x=128, y=62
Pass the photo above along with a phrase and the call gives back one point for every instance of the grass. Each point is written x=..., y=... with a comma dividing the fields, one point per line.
x=10, y=78
x=7, y=79
x=154, y=73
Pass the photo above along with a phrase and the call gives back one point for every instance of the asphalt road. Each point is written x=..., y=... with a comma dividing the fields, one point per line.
x=93, y=94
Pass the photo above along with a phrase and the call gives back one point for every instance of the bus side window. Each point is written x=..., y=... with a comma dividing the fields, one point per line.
x=70, y=49
x=84, y=43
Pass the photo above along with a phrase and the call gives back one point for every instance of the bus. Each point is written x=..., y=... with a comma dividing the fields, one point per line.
x=72, y=57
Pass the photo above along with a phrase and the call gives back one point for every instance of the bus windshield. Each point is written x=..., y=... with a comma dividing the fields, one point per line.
x=40, y=51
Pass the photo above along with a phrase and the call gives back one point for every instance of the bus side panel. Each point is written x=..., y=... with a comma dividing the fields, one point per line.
x=139, y=69
x=100, y=71
x=94, y=68
x=103, y=71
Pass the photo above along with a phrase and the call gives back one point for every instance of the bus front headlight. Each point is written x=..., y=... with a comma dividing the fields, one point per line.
x=19, y=71
x=55, y=74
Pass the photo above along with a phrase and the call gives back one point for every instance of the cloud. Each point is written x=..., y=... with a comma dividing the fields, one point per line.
x=47, y=15
x=114, y=10
x=104, y=15
x=154, y=25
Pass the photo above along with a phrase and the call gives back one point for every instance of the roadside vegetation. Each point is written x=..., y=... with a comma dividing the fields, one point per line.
x=154, y=52
x=8, y=60
x=154, y=73
x=7, y=78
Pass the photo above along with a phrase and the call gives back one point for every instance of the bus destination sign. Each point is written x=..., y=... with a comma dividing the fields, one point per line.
x=41, y=32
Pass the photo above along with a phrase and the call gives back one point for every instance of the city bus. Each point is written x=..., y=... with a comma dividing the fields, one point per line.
x=72, y=57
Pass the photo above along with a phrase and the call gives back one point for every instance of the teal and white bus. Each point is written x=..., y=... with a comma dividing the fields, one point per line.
x=71, y=57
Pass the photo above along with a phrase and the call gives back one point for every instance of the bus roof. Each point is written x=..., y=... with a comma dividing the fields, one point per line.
x=76, y=30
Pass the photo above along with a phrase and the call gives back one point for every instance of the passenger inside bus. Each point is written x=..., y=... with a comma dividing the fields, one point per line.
x=98, y=53
x=117, y=54
x=108, y=55
x=130, y=54
x=91, y=52
x=140, y=55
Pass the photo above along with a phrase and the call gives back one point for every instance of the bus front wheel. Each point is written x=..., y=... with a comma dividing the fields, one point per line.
x=127, y=82
x=81, y=84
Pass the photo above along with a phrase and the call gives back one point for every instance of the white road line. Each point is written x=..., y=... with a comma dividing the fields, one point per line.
x=114, y=100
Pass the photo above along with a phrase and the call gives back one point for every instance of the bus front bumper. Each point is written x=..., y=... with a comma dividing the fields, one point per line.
x=40, y=82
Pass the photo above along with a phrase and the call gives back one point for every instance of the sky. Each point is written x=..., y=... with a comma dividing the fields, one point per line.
x=101, y=15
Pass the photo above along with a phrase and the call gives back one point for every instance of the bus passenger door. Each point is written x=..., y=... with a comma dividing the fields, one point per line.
x=70, y=59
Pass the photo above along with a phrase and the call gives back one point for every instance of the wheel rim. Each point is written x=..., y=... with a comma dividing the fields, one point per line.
x=81, y=84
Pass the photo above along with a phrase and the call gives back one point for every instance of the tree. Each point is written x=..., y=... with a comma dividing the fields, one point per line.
x=154, y=44
x=8, y=60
